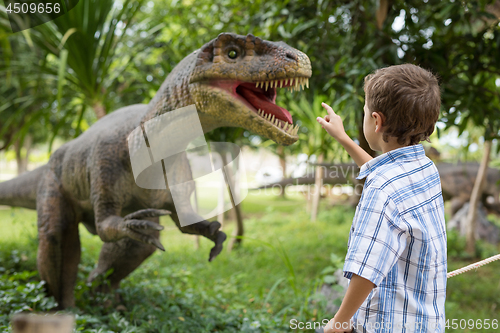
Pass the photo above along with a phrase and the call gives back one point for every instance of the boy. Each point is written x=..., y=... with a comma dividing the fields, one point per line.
x=396, y=256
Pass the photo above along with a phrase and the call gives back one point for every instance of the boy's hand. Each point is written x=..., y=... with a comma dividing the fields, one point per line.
x=332, y=123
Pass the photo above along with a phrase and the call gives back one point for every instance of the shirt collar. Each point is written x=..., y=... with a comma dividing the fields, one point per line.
x=408, y=153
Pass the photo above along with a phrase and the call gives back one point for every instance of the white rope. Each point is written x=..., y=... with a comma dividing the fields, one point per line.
x=472, y=266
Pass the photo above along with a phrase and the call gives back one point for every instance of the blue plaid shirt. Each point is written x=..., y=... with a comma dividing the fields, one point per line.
x=398, y=242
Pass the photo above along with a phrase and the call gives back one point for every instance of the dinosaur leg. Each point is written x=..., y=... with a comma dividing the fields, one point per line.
x=207, y=229
x=123, y=256
x=59, y=246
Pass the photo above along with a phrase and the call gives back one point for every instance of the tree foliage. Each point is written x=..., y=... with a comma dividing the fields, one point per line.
x=117, y=53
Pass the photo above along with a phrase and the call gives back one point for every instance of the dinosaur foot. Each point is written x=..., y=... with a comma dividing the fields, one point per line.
x=219, y=239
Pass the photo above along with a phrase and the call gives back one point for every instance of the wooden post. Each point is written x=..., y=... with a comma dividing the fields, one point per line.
x=239, y=228
x=33, y=323
x=477, y=190
x=281, y=154
x=196, y=209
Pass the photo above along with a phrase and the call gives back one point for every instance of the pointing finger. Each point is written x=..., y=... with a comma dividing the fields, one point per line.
x=328, y=109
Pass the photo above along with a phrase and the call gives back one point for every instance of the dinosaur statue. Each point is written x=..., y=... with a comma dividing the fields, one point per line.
x=232, y=81
x=457, y=181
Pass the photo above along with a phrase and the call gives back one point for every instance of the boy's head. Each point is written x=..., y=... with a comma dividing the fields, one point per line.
x=402, y=102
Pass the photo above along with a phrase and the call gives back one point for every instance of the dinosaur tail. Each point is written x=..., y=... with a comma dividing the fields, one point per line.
x=21, y=191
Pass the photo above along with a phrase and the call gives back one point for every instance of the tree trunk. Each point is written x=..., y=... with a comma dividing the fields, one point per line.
x=22, y=159
x=475, y=197
x=362, y=140
x=354, y=199
x=220, y=201
x=239, y=229
x=99, y=109
x=281, y=153
x=196, y=209
x=318, y=183
x=381, y=14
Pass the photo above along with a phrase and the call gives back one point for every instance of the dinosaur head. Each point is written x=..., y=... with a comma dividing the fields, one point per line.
x=235, y=79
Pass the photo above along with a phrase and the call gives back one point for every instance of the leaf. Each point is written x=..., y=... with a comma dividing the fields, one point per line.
x=60, y=78
x=303, y=26
x=328, y=270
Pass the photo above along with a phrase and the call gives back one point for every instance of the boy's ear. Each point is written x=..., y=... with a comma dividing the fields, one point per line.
x=379, y=119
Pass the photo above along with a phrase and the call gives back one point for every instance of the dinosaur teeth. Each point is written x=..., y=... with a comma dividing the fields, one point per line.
x=292, y=84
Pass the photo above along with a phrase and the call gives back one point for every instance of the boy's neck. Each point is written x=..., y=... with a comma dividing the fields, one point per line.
x=391, y=145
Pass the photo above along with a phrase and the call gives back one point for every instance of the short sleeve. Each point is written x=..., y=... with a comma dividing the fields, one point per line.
x=375, y=240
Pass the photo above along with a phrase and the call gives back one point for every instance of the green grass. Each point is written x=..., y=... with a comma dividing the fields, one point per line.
x=257, y=288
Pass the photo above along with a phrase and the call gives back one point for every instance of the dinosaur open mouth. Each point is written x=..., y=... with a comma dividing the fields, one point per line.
x=260, y=97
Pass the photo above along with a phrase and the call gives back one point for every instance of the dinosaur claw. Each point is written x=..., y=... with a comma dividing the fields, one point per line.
x=158, y=227
x=143, y=224
x=157, y=243
x=214, y=252
x=149, y=212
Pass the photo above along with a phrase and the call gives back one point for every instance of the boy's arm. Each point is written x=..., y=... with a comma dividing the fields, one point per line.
x=333, y=125
x=358, y=290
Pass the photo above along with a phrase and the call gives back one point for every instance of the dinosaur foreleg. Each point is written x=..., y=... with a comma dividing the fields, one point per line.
x=135, y=226
x=123, y=257
x=207, y=229
x=59, y=246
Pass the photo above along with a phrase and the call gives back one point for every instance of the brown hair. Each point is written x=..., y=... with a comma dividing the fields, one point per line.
x=409, y=98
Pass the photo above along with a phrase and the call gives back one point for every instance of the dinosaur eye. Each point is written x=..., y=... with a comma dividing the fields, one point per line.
x=232, y=54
